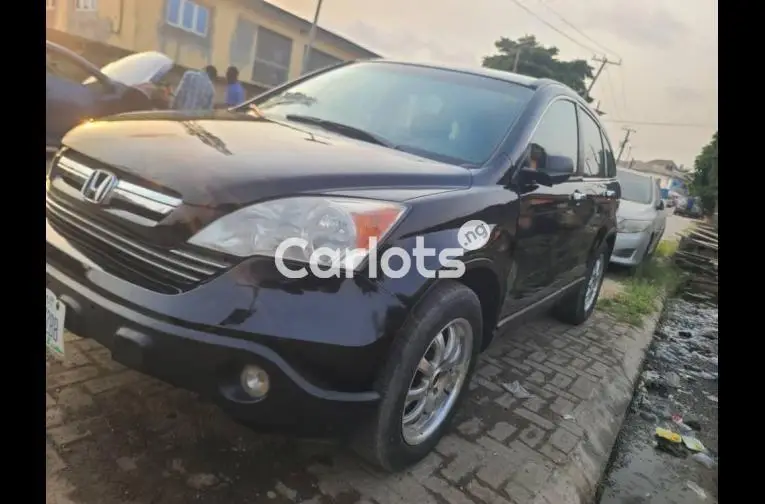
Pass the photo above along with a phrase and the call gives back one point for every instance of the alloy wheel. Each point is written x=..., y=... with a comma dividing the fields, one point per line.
x=437, y=381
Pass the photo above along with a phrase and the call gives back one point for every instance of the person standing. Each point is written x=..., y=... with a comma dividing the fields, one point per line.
x=234, y=90
x=196, y=90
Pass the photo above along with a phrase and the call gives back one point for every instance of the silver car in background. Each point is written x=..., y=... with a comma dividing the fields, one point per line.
x=641, y=218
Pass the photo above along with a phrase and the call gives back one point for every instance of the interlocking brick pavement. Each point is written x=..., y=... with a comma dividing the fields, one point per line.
x=116, y=436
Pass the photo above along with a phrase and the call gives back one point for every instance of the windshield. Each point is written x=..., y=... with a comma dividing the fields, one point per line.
x=635, y=187
x=444, y=115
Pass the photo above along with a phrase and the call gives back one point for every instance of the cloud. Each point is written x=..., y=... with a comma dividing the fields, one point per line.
x=632, y=22
x=685, y=94
x=402, y=44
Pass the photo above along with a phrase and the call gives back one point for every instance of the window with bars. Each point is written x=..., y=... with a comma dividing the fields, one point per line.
x=273, y=52
x=84, y=5
x=319, y=59
x=188, y=16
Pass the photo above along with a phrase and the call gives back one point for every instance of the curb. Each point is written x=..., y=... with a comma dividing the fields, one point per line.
x=576, y=480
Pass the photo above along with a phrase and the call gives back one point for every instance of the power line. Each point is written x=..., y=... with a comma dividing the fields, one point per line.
x=553, y=27
x=656, y=123
x=577, y=30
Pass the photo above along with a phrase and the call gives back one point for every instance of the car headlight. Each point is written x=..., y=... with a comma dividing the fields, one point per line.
x=347, y=227
x=633, y=226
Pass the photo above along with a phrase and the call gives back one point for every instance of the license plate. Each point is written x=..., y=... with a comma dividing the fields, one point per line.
x=55, y=313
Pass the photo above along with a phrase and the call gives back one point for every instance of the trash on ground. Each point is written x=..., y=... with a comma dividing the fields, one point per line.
x=693, y=424
x=712, y=398
x=647, y=415
x=517, y=390
x=668, y=435
x=693, y=444
x=705, y=460
x=678, y=420
x=696, y=489
x=674, y=449
x=669, y=442
x=568, y=416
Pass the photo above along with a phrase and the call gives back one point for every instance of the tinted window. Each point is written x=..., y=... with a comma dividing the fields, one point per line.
x=450, y=116
x=318, y=60
x=635, y=187
x=610, y=160
x=64, y=67
x=594, y=162
x=272, y=58
x=557, y=132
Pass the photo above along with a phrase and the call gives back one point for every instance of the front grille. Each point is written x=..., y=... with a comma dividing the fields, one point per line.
x=624, y=253
x=132, y=202
x=161, y=270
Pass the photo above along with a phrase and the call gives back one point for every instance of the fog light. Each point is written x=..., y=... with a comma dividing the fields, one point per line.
x=255, y=381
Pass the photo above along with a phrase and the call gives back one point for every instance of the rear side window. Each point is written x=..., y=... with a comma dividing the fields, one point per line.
x=557, y=131
x=592, y=143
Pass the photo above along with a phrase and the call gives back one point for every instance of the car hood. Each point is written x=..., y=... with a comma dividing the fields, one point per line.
x=635, y=211
x=140, y=68
x=233, y=159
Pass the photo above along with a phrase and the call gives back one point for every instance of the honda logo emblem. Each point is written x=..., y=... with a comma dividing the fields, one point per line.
x=98, y=186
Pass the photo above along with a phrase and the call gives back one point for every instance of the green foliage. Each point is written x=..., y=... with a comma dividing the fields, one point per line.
x=640, y=292
x=539, y=61
x=704, y=181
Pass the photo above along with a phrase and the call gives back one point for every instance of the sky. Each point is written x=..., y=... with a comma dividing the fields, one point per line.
x=668, y=51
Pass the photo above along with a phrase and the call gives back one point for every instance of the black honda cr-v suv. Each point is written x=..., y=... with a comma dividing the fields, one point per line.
x=334, y=254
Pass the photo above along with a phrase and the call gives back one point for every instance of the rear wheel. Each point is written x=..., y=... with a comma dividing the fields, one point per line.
x=424, y=379
x=577, y=306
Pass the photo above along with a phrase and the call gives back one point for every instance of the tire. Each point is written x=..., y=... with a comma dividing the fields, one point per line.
x=384, y=441
x=575, y=307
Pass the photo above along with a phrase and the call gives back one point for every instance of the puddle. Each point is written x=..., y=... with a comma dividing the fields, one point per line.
x=678, y=392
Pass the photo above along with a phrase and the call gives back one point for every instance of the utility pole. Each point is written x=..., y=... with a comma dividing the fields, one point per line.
x=517, y=59
x=632, y=162
x=627, y=132
x=311, y=36
x=603, y=62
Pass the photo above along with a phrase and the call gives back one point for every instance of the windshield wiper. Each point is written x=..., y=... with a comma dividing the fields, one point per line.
x=343, y=129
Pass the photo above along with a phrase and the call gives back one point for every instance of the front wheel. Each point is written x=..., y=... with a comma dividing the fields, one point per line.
x=425, y=378
x=577, y=306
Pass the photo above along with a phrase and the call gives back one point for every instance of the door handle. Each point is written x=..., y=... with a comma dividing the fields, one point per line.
x=578, y=196
x=609, y=193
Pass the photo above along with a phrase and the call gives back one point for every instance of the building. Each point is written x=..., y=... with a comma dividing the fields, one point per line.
x=267, y=44
x=671, y=176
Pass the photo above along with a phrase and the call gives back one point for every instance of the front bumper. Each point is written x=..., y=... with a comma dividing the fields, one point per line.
x=321, y=347
x=630, y=248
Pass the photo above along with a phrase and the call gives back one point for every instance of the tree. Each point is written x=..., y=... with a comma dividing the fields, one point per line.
x=536, y=60
x=704, y=181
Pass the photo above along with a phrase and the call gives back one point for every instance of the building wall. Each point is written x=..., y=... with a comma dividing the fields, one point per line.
x=233, y=34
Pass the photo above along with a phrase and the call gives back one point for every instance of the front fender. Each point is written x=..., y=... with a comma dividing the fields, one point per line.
x=413, y=285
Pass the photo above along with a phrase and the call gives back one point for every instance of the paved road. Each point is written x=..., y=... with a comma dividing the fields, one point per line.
x=118, y=437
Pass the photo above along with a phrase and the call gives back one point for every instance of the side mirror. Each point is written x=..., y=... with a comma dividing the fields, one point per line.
x=559, y=165
x=541, y=168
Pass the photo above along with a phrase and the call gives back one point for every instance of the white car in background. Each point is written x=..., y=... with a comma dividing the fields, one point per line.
x=641, y=218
